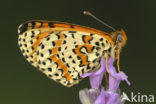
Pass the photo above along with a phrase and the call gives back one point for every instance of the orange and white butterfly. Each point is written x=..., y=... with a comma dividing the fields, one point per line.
x=65, y=51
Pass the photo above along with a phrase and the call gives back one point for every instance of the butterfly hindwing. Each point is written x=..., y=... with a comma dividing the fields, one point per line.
x=66, y=58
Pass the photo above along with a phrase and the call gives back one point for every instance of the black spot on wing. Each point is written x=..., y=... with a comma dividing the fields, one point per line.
x=42, y=69
x=59, y=49
x=63, y=59
x=28, y=51
x=68, y=83
x=42, y=46
x=73, y=50
x=56, y=64
x=33, y=34
x=97, y=43
x=65, y=36
x=61, y=70
x=98, y=48
x=88, y=67
x=67, y=65
x=97, y=54
x=73, y=35
x=83, y=38
x=103, y=44
x=91, y=34
x=101, y=39
x=50, y=75
x=47, y=38
x=50, y=59
x=73, y=61
x=50, y=69
x=79, y=76
x=72, y=31
x=53, y=43
x=72, y=26
x=109, y=50
x=33, y=24
x=64, y=42
x=51, y=24
x=58, y=55
x=23, y=28
x=25, y=34
x=58, y=36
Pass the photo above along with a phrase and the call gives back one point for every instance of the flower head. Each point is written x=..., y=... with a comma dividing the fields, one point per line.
x=98, y=94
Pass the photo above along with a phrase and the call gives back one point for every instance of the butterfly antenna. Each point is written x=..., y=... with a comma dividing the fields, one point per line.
x=90, y=14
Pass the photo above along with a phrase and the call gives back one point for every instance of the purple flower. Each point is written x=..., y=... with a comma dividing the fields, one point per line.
x=98, y=94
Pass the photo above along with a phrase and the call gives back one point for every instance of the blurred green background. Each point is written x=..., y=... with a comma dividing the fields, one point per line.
x=21, y=83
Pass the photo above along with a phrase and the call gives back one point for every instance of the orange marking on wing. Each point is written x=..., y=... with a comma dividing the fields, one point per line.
x=45, y=25
x=67, y=75
x=35, y=57
x=61, y=36
x=89, y=48
x=82, y=55
x=54, y=58
x=61, y=25
x=65, y=69
x=38, y=40
x=37, y=24
x=87, y=39
x=58, y=42
x=59, y=61
x=62, y=66
x=84, y=61
x=54, y=50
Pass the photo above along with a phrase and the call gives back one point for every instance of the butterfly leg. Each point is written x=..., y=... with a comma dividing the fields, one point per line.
x=107, y=57
x=118, y=59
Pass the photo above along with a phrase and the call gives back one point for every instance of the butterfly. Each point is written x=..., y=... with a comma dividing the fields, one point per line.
x=65, y=51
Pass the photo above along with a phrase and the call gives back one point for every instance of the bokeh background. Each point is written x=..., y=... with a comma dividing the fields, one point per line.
x=21, y=83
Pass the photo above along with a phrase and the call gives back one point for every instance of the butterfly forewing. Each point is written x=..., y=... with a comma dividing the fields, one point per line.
x=62, y=53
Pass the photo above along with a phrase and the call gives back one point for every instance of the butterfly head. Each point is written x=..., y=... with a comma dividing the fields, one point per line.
x=119, y=38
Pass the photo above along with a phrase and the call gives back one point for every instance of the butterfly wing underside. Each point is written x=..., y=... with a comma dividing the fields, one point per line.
x=61, y=52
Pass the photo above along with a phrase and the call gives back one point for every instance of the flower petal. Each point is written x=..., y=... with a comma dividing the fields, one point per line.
x=114, y=82
x=88, y=96
x=96, y=76
x=102, y=98
x=113, y=98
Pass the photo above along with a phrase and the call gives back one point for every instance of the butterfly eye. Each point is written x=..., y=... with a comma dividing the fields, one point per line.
x=119, y=37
